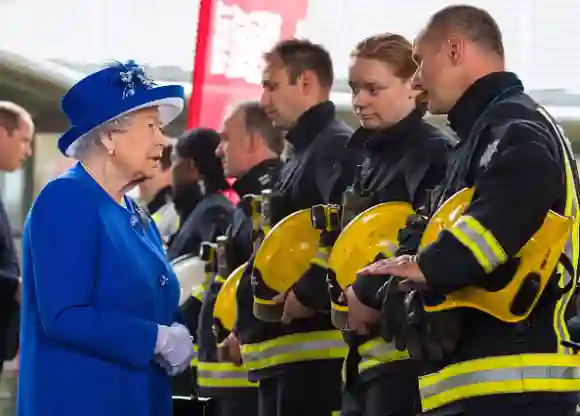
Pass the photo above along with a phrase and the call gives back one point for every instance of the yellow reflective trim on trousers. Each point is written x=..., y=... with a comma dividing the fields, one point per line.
x=335, y=413
x=480, y=241
x=500, y=375
x=225, y=375
x=376, y=352
x=317, y=345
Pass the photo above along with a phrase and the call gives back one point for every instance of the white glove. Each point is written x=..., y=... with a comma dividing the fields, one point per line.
x=174, y=348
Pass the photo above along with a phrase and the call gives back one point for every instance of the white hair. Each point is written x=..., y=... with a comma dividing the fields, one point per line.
x=18, y=111
x=91, y=141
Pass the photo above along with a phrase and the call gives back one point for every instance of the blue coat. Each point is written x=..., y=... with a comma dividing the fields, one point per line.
x=95, y=285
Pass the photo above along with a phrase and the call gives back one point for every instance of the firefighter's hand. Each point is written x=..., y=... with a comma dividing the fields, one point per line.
x=360, y=317
x=230, y=350
x=293, y=309
x=402, y=266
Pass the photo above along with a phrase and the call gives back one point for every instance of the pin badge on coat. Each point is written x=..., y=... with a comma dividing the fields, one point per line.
x=163, y=280
x=488, y=154
x=134, y=221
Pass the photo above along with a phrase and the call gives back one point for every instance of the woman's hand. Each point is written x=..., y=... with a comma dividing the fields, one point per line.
x=175, y=347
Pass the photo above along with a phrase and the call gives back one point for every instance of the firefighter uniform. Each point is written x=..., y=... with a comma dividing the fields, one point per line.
x=520, y=166
x=401, y=163
x=209, y=219
x=285, y=358
x=224, y=381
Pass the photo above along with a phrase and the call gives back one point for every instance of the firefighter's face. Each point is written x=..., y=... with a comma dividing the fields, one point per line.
x=235, y=146
x=379, y=98
x=439, y=72
x=283, y=101
x=184, y=171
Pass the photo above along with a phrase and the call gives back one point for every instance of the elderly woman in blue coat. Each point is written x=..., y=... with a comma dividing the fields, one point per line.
x=99, y=299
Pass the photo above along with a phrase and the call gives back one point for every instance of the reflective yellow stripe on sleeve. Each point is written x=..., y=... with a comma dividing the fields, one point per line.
x=500, y=375
x=194, y=361
x=480, y=241
x=316, y=345
x=322, y=256
x=377, y=351
x=223, y=375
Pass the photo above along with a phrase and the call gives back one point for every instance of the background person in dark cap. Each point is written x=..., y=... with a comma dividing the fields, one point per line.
x=198, y=185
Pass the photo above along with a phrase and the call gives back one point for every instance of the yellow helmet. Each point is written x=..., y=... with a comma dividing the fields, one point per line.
x=285, y=255
x=225, y=309
x=372, y=232
x=537, y=260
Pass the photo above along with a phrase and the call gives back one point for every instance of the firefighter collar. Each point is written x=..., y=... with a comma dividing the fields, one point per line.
x=113, y=91
x=393, y=138
x=261, y=176
x=309, y=124
x=481, y=94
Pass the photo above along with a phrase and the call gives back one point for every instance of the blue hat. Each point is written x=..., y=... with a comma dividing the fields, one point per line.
x=111, y=92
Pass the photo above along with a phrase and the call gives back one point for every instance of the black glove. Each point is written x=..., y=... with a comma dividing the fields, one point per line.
x=311, y=289
x=393, y=326
x=420, y=345
x=430, y=335
x=410, y=236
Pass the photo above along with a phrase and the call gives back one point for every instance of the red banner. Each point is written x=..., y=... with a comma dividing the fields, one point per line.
x=232, y=37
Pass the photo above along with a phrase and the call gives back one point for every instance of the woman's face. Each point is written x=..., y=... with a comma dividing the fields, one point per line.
x=137, y=147
x=379, y=98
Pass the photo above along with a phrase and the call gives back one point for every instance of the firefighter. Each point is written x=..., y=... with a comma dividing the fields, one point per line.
x=297, y=81
x=250, y=151
x=520, y=166
x=404, y=158
x=205, y=213
x=198, y=184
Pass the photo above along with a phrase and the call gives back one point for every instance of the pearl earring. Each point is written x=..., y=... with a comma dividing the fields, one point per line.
x=111, y=152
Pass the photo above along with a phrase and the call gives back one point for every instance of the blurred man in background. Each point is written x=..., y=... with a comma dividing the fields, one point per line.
x=16, y=133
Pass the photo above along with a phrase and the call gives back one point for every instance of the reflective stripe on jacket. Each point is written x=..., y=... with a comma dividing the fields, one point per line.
x=376, y=352
x=500, y=375
x=316, y=345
